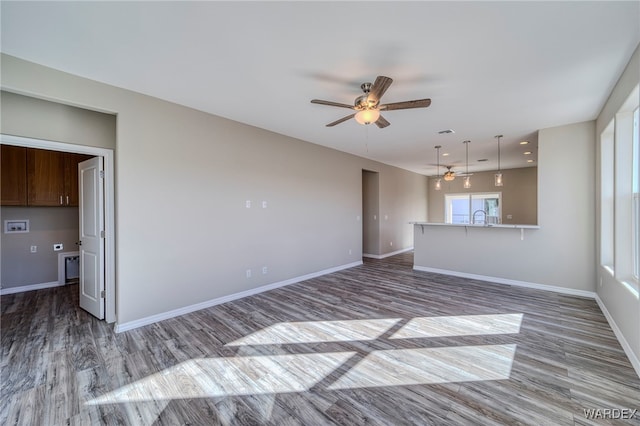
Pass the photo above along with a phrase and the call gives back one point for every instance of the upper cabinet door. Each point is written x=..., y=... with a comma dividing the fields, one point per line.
x=13, y=163
x=71, y=162
x=45, y=171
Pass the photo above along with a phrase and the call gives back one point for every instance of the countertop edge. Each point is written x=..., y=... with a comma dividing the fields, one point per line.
x=468, y=225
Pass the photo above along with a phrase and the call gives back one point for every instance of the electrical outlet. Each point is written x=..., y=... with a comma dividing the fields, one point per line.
x=248, y=273
x=247, y=204
x=265, y=270
x=34, y=249
x=264, y=204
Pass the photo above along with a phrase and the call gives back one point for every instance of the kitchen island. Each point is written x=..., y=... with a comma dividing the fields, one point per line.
x=513, y=254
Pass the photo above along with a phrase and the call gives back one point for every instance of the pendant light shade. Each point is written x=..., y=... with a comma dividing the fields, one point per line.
x=467, y=179
x=438, y=184
x=467, y=182
x=498, y=176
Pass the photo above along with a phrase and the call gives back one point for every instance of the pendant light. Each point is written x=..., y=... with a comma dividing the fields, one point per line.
x=438, y=185
x=467, y=178
x=498, y=176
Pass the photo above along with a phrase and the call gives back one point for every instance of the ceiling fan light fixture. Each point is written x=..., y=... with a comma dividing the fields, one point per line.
x=449, y=176
x=367, y=116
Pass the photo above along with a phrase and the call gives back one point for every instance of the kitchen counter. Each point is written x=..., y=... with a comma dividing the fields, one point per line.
x=477, y=225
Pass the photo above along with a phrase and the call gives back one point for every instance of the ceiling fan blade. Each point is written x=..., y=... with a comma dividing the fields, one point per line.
x=382, y=122
x=380, y=86
x=343, y=119
x=330, y=103
x=418, y=103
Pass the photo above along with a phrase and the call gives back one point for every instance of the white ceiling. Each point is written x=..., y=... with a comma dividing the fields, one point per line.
x=489, y=67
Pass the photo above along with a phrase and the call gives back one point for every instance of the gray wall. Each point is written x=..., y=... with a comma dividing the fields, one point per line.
x=519, y=194
x=183, y=233
x=623, y=307
x=48, y=226
x=561, y=253
x=39, y=119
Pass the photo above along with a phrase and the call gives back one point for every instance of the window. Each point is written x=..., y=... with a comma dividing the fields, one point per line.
x=607, y=175
x=620, y=195
x=473, y=208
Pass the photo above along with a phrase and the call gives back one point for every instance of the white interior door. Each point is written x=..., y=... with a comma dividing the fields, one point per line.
x=91, y=207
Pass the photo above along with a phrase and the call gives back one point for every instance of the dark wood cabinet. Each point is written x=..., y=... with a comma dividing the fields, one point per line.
x=45, y=174
x=39, y=177
x=71, y=162
x=13, y=184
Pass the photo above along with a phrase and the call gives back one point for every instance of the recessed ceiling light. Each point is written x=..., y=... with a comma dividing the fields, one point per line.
x=529, y=161
x=446, y=154
x=524, y=143
x=527, y=153
x=446, y=131
x=483, y=159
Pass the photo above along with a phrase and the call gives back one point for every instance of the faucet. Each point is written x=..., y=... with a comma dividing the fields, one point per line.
x=473, y=218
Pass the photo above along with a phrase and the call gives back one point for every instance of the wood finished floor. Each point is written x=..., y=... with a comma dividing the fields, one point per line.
x=378, y=344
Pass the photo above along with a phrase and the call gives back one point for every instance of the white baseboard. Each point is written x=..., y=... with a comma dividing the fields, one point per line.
x=120, y=327
x=31, y=287
x=382, y=256
x=497, y=280
x=635, y=362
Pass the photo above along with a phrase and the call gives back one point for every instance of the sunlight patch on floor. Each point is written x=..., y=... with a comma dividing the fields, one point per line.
x=220, y=377
x=460, y=325
x=250, y=373
x=404, y=367
x=318, y=331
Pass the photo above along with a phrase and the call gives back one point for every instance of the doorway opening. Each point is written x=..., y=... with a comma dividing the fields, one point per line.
x=370, y=214
x=108, y=196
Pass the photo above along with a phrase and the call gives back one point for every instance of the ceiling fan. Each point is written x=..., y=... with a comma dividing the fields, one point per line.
x=368, y=106
x=450, y=175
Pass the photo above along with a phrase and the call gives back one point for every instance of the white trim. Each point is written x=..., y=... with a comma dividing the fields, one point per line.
x=109, y=201
x=382, y=256
x=30, y=287
x=61, y=266
x=497, y=280
x=119, y=328
x=635, y=362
